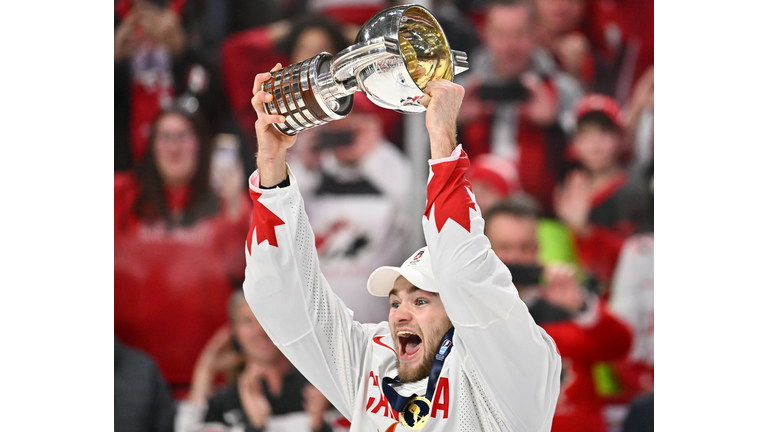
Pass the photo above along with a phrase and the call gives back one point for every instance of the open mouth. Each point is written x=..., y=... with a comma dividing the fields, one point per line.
x=409, y=344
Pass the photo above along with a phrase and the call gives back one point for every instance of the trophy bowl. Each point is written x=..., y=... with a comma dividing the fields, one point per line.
x=397, y=52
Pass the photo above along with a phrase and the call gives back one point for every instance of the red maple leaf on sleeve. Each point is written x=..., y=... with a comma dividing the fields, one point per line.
x=264, y=223
x=448, y=192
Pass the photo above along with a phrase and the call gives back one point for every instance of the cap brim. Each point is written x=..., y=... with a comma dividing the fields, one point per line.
x=382, y=280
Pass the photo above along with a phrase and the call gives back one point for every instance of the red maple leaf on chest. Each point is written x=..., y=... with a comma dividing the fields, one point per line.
x=448, y=192
x=264, y=223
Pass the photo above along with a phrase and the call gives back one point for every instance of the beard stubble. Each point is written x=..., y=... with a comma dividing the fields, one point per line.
x=429, y=345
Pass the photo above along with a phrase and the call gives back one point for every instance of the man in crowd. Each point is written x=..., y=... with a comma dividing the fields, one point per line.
x=585, y=331
x=512, y=228
x=517, y=100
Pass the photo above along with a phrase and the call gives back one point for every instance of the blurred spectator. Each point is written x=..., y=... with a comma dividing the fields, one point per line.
x=632, y=299
x=145, y=84
x=584, y=38
x=310, y=35
x=209, y=22
x=356, y=188
x=149, y=38
x=607, y=44
x=557, y=30
x=143, y=402
x=194, y=77
x=512, y=227
x=459, y=30
x=561, y=30
x=198, y=79
x=355, y=12
x=596, y=197
x=594, y=337
x=264, y=387
x=516, y=100
x=635, y=21
x=178, y=245
x=580, y=324
x=493, y=179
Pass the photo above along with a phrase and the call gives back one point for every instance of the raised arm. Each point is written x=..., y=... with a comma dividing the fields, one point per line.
x=512, y=357
x=272, y=145
x=445, y=99
x=283, y=283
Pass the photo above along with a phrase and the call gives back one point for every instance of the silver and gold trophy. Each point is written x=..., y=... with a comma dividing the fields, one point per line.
x=397, y=52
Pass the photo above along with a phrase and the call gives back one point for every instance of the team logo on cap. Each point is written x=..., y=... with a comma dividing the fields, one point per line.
x=416, y=257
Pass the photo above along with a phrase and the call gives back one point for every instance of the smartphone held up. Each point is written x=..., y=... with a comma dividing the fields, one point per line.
x=224, y=159
x=512, y=91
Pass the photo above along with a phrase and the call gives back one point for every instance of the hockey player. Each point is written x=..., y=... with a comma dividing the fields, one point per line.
x=460, y=351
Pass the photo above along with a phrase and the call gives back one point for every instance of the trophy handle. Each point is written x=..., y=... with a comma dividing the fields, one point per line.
x=460, y=61
x=347, y=63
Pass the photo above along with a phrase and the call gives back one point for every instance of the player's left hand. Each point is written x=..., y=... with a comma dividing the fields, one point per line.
x=442, y=98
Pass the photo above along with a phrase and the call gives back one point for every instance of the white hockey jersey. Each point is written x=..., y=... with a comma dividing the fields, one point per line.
x=503, y=372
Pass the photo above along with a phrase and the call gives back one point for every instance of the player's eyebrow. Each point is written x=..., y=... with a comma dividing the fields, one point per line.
x=410, y=290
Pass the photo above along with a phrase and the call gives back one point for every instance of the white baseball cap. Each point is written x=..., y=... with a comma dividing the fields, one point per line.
x=417, y=269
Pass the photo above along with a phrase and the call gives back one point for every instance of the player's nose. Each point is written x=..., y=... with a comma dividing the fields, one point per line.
x=402, y=313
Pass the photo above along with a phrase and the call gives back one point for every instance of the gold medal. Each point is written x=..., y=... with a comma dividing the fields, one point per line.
x=416, y=413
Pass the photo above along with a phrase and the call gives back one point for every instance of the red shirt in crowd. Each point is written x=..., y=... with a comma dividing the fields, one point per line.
x=172, y=285
x=541, y=153
x=582, y=343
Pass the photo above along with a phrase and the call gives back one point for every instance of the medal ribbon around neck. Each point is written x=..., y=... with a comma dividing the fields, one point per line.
x=411, y=407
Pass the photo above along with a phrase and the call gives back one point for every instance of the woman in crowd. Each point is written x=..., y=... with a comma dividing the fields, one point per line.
x=264, y=386
x=178, y=246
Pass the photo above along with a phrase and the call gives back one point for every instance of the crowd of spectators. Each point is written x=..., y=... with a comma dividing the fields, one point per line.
x=557, y=120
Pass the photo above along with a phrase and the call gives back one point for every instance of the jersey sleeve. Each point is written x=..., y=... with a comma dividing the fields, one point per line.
x=292, y=300
x=516, y=361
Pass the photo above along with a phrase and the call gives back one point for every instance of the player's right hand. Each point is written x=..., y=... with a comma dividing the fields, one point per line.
x=270, y=141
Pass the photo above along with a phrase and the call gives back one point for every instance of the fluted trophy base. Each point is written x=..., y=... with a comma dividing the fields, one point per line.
x=298, y=96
